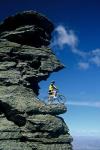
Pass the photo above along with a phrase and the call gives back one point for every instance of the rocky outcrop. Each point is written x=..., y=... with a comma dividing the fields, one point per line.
x=25, y=59
x=27, y=28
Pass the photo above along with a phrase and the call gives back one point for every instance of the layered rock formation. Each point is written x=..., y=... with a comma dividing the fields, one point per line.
x=27, y=123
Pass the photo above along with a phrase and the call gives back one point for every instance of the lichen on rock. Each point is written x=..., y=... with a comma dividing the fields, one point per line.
x=25, y=59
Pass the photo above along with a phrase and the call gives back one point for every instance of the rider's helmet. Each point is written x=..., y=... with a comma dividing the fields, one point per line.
x=52, y=82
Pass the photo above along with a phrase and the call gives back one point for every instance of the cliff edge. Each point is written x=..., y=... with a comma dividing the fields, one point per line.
x=27, y=123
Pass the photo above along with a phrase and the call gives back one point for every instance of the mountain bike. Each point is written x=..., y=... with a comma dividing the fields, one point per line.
x=59, y=98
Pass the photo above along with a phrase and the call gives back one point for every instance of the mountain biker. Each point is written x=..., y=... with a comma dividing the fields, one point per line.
x=52, y=90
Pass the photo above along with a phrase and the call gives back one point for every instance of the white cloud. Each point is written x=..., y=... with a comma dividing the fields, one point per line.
x=95, y=57
x=68, y=37
x=83, y=133
x=88, y=104
x=83, y=65
x=95, y=60
x=65, y=37
x=96, y=52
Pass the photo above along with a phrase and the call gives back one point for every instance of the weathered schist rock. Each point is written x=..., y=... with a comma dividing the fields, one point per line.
x=27, y=123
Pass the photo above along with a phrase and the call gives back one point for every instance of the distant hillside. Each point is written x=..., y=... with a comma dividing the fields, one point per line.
x=86, y=143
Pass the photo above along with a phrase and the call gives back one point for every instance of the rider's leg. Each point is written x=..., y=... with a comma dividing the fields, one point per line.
x=55, y=94
x=50, y=98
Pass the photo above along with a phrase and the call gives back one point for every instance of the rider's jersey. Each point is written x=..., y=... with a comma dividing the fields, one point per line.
x=52, y=87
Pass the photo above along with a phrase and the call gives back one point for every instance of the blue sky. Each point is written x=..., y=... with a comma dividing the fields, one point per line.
x=76, y=42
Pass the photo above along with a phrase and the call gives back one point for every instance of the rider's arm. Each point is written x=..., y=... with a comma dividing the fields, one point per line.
x=55, y=87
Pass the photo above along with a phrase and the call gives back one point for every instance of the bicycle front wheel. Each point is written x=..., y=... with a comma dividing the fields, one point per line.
x=61, y=98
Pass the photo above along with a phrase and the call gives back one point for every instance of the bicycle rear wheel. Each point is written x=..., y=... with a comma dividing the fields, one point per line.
x=61, y=98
